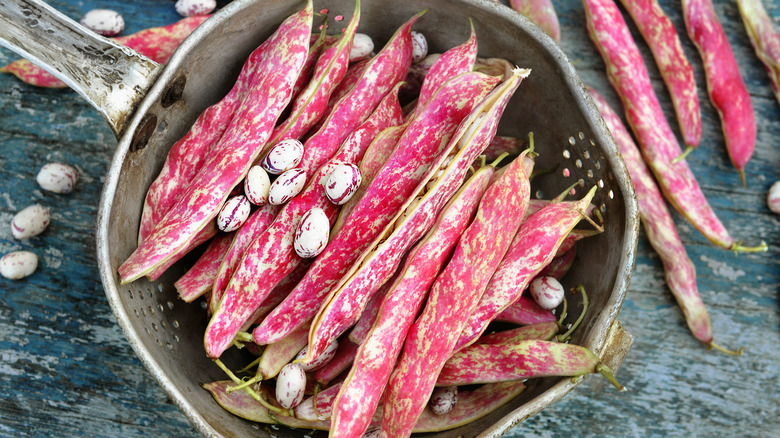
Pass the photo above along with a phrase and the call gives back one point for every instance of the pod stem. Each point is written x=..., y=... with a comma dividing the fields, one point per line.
x=251, y=392
x=242, y=336
x=563, y=313
x=498, y=160
x=742, y=177
x=251, y=365
x=610, y=375
x=245, y=384
x=737, y=247
x=688, y=150
x=712, y=345
x=565, y=337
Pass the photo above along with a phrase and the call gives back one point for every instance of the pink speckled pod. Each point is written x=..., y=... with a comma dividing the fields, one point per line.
x=525, y=311
x=199, y=279
x=343, y=359
x=764, y=37
x=543, y=330
x=542, y=13
x=279, y=354
x=662, y=39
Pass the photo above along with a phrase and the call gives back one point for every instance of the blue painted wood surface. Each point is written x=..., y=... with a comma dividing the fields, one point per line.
x=66, y=369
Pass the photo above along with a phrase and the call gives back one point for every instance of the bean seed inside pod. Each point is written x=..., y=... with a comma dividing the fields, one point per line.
x=283, y=156
x=322, y=359
x=419, y=46
x=342, y=183
x=30, y=222
x=362, y=46
x=444, y=399
x=234, y=213
x=290, y=385
x=256, y=185
x=286, y=186
x=312, y=234
x=466, y=138
x=547, y=292
x=104, y=22
x=57, y=177
x=18, y=264
x=192, y=8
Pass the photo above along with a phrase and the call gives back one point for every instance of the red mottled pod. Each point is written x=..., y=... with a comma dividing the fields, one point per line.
x=277, y=355
x=560, y=265
x=503, y=144
x=341, y=362
x=231, y=156
x=317, y=407
x=764, y=37
x=312, y=234
x=491, y=363
x=455, y=292
x=728, y=92
x=628, y=75
x=542, y=13
x=662, y=39
x=342, y=183
x=203, y=236
x=283, y=156
x=525, y=311
x=199, y=279
x=542, y=330
x=234, y=213
x=533, y=247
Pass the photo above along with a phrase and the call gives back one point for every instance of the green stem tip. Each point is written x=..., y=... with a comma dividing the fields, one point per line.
x=251, y=392
x=712, y=345
x=688, y=150
x=565, y=337
x=737, y=247
x=610, y=375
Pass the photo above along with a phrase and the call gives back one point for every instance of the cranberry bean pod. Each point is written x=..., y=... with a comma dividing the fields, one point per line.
x=543, y=330
x=628, y=75
x=560, y=265
x=278, y=293
x=764, y=38
x=492, y=363
x=203, y=236
x=661, y=37
x=350, y=79
x=453, y=295
x=329, y=69
x=280, y=353
x=365, y=383
x=363, y=325
x=532, y=248
x=504, y=144
x=525, y=311
x=381, y=74
x=231, y=157
x=725, y=86
x=200, y=277
x=395, y=184
x=271, y=257
x=324, y=402
x=679, y=270
x=344, y=306
x=345, y=356
x=156, y=43
x=542, y=13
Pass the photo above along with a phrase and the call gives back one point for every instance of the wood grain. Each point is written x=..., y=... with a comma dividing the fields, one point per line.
x=67, y=370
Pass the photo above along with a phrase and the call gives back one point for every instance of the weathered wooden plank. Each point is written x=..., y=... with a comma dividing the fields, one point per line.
x=67, y=370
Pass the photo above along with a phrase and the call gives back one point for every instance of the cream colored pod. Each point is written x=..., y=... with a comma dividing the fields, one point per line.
x=547, y=292
x=57, y=177
x=342, y=183
x=257, y=185
x=286, y=186
x=192, y=8
x=18, y=264
x=234, y=213
x=30, y=222
x=290, y=385
x=104, y=22
x=362, y=46
x=283, y=156
x=312, y=234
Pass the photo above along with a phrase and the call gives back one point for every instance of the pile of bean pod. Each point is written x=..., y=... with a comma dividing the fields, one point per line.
x=343, y=197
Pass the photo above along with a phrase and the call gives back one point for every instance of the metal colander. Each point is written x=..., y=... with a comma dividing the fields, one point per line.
x=167, y=334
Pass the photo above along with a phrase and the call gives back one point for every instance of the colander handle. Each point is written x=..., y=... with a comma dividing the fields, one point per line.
x=618, y=342
x=113, y=78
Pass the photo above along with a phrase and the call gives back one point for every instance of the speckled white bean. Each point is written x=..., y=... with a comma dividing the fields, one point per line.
x=773, y=198
x=373, y=433
x=362, y=46
x=257, y=185
x=320, y=360
x=290, y=385
x=31, y=221
x=283, y=156
x=104, y=22
x=312, y=234
x=439, y=173
x=57, y=177
x=419, y=47
x=234, y=213
x=547, y=292
x=286, y=186
x=464, y=140
x=18, y=264
x=444, y=399
x=342, y=183
x=192, y=8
